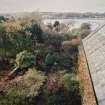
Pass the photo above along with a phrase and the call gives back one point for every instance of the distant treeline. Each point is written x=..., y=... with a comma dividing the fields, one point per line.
x=53, y=15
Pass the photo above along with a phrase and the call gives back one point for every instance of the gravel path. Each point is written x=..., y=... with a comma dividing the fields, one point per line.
x=83, y=73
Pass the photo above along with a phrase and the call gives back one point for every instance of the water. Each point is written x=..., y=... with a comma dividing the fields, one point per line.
x=75, y=23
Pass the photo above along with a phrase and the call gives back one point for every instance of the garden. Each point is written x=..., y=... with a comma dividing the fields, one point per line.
x=39, y=63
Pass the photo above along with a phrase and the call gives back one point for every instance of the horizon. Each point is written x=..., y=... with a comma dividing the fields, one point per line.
x=19, y=12
x=80, y=6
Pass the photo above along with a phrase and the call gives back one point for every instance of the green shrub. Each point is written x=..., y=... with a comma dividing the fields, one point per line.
x=23, y=89
x=37, y=32
x=70, y=83
x=64, y=90
x=56, y=100
x=73, y=90
x=25, y=59
x=21, y=41
x=28, y=84
x=2, y=18
x=13, y=99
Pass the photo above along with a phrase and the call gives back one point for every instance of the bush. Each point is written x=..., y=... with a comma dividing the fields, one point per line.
x=37, y=33
x=55, y=90
x=73, y=90
x=30, y=83
x=13, y=100
x=20, y=41
x=28, y=89
x=2, y=18
x=22, y=88
x=56, y=26
x=63, y=90
x=25, y=59
x=56, y=100
x=85, y=29
x=71, y=83
x=54, y=84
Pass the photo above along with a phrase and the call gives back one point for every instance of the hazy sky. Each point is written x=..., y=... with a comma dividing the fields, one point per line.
x=52, y=5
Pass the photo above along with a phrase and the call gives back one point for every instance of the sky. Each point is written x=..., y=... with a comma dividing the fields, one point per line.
x=10, y=6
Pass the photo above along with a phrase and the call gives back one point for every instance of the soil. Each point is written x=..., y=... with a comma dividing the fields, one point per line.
x=83, y=73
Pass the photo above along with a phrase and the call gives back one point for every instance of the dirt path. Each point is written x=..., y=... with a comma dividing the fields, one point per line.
x=83, y=73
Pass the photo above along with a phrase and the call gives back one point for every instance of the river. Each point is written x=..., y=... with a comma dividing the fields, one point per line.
x=75, y=23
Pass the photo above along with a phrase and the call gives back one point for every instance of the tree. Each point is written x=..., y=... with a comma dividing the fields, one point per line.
x=25, y=59
x=56, y=25
x=3, y=41
x=85, y=29
x=37, y=32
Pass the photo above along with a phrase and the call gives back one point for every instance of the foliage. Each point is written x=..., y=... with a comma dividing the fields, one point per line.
x=63, y=90
x=76, y=32
x=24, y=39
x=55, y=90
x=51, y=58
x=85, y=26
x=66, y=62
x=20, y=88
x=25, y=59
x=56, y=26
x=2, y=18
x=13, y=99
x=53, y=39
x=54, y=83
x=30, y=83
x=73, y=89
x=12, y=26
x=85, y=29
x=19, y=42
x=37, y=32
x=4, y=42
x=69, y=79
x=1, y=34
x=13, y=39
x=56, y=100
x=85, y=32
